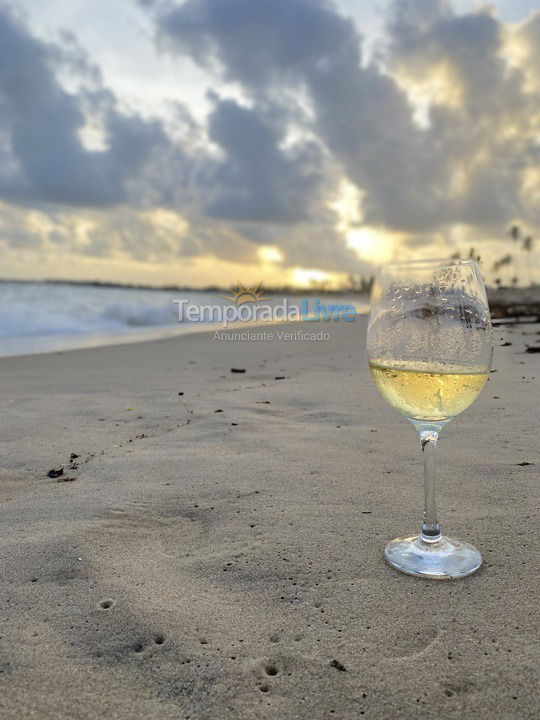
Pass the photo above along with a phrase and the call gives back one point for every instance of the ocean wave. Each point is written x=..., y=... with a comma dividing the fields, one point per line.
x=27, y=310
x=42, y=317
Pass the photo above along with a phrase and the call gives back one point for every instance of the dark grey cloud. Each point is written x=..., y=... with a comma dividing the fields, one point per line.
x=360, y=114
x=409, y=174
x=257, y=42
x=40, y=122
x=257, y=180
x=45, y=160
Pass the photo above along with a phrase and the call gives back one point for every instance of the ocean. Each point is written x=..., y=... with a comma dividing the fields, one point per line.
x=48, y=317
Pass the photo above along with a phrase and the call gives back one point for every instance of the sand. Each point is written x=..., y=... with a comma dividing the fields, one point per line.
x=207, y=564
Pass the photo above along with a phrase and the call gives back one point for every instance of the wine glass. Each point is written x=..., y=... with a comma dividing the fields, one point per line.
x=429, y=349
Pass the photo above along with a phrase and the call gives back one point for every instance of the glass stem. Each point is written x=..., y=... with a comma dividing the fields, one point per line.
x=431, y=531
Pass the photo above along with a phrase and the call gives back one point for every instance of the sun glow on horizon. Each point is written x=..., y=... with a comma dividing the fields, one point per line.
x=305, y=277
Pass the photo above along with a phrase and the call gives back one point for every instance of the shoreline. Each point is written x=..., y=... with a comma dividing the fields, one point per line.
x=162, y=333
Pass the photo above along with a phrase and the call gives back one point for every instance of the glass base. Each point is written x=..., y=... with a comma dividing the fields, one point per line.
x=440, y=560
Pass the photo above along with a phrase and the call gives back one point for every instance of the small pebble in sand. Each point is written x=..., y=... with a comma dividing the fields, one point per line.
x=338, y=665
x=218, y=410
x=55, y=473
x=238, y=370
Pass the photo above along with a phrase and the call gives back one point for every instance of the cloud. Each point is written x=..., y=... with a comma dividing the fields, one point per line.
x=465, y=164
x=525, y=39
x=44, y=159
x=256, y=180
x=484, y=133
x=359, y=113
x=256, y=42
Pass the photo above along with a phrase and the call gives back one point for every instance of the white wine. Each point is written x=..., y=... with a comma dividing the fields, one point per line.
x=425, y=394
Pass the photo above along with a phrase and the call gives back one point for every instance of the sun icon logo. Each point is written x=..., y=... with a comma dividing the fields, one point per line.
x=245, y=294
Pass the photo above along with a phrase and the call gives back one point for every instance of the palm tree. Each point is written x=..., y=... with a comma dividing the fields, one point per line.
x=527, y=245
x=506, y=260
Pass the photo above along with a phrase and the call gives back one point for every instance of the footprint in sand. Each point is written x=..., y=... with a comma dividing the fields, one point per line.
x=408, y=643
x=145, y=515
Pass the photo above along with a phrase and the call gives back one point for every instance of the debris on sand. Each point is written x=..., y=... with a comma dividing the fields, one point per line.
x=338, y=665
x=279, y=377
x=73, y=456
x=238, y=370
x=531, y=349
x=55, y=473
x=65, y=479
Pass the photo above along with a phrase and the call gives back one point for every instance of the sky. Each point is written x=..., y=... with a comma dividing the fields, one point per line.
x=206, y=142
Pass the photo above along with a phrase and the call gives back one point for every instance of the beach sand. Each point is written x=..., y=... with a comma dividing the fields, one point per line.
x=217, y=550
